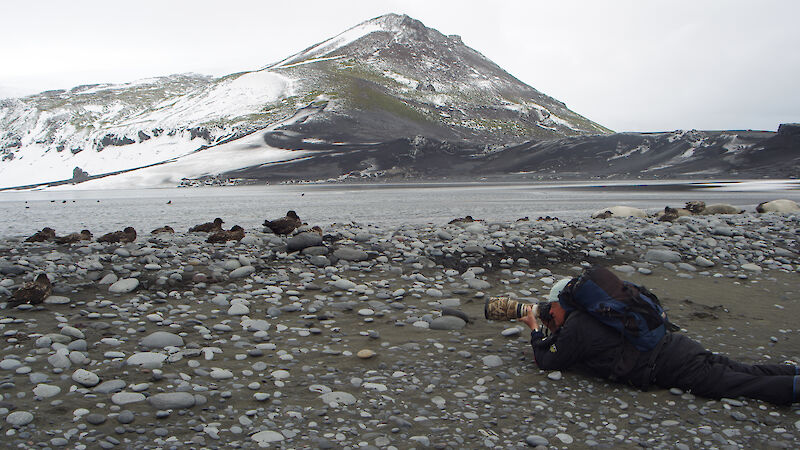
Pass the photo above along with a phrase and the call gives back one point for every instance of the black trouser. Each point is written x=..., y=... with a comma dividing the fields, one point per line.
x=685, y=364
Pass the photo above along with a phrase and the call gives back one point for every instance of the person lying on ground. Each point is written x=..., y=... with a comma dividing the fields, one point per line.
x=578, y=341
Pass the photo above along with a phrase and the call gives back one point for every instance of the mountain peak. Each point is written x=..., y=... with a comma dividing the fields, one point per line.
x=398, y=22
x=385, y=80
x=400, y=26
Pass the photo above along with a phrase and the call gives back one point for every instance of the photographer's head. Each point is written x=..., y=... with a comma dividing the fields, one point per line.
x=551, y=314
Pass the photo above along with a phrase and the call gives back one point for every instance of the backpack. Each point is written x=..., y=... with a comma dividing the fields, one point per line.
x=630, y=309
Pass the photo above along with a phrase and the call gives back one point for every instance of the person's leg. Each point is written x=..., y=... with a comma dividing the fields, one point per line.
x=722, y=381
x=755, y=369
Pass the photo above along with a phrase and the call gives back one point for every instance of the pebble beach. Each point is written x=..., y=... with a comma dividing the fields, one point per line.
x=374, y=337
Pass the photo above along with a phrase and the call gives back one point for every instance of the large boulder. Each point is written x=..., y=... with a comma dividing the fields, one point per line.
x=303, y=240
x=662, y=255
x=447, y=323
x=161, y=339
x=172, y=400
x=350, y=254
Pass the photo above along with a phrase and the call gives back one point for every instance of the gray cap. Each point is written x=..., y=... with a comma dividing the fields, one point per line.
x=557, y=288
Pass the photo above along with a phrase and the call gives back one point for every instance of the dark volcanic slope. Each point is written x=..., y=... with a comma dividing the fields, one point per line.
x=694, y=154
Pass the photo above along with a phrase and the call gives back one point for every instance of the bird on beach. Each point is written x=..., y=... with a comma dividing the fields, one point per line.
x=236, y=233
x=462, y=220
x=208, y=227
x=45, y=234
x=126, y=235
x=33, y=293
x=164, y=229
x=284, y=225
x=84, y=235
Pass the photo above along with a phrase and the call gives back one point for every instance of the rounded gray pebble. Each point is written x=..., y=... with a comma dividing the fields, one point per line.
x=95, y=419
x=536, y=440
x=19, y=418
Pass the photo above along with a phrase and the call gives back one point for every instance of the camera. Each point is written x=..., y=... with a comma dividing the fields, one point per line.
x=504, y=308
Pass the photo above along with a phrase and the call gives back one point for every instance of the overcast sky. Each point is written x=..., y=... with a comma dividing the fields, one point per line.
x=629, y=65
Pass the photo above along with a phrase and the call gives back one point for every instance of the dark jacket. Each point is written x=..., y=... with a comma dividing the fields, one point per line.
x=585, y=344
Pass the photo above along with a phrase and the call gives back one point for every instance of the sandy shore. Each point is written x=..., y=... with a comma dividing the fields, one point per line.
x=171, y=342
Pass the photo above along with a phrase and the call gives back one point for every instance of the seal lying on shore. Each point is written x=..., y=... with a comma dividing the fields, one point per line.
x=695, y=207
x=45, y=234
x=126, y=235
x=779, y=206
x=284, y=225
x=236, y=233
x=84, y=235
x=208, y=227
x=700, y=208
x=669, y=214
x=720, y=208
x=33, y=293
x=619, y=211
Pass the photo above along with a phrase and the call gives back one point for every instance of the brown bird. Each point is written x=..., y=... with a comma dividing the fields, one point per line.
x=208, y=227
x=316, y=229
x=84, y=235
x=34, y=292
x=164, y=229
x=45, y=234
x=284, y=225
x=126, y=235
x=465, y=219
x=236, y=233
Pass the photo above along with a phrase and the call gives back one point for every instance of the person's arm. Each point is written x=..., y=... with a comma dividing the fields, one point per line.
x=558, y=351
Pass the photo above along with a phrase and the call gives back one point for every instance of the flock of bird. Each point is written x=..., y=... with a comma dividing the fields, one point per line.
x=283, y=226
x=37, y=291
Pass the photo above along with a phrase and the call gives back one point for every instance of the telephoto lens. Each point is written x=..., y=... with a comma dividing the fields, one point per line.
x=503, y=308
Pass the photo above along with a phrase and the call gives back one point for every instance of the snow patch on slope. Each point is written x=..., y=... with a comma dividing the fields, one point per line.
x=642, y=149
x=333, y=43
x=38, y=165
x=245, y=94
x=245, y=152
x=735, y=145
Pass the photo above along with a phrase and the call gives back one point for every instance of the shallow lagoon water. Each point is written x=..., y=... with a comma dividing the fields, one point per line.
x=22, y=213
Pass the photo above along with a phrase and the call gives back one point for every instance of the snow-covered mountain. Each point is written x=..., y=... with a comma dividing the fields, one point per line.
x=385, y=79
x=389, y=98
